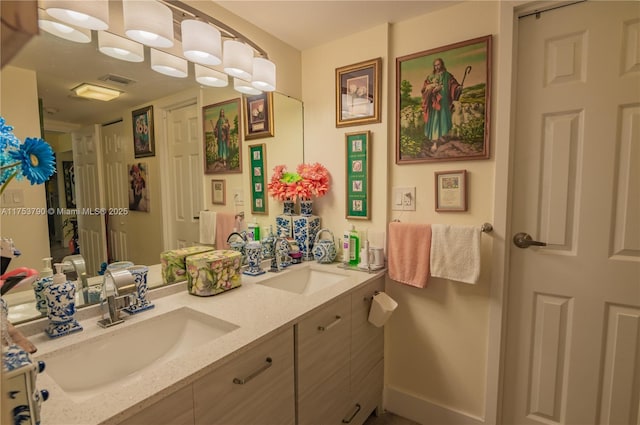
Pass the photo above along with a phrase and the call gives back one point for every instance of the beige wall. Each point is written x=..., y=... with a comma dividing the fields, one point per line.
x=19, y=107
x=436, y=341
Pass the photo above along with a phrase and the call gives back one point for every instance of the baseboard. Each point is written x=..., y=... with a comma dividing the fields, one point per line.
x=424, y=412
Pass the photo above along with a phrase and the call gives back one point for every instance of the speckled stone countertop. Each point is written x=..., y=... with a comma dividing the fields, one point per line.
x=258, y=310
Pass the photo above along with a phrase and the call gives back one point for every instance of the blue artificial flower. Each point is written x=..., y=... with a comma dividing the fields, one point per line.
x=7, y=138
x=37, y=160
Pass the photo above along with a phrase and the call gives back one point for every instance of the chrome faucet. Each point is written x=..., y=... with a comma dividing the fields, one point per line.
x=279, y=255
x=117, y=287
x=76, y=264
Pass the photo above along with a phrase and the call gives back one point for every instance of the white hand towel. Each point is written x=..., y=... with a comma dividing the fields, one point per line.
x=208, y=227
x=455, y=252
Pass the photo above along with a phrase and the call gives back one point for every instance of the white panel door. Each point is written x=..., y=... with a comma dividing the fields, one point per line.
x=116, y=185
x=91, y=226
x=573, y=324
x=185, y=172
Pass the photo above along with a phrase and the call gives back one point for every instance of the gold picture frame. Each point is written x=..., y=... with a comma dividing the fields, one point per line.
x=451, y=191
x=218, y=192
x=358, y=92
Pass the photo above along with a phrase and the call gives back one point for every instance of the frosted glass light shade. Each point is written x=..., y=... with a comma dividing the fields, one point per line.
x=78, y=35
x=120, y=47
x=148, y=22
x=210, y=77
x=91, y=91
x=89, y=14
x=237, y=59
x=264, y=74
x=167, y=64
x=201, y=42
x=244, y=86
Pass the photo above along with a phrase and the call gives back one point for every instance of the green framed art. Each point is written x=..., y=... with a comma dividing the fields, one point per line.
x=258, y=187
x=358, y=165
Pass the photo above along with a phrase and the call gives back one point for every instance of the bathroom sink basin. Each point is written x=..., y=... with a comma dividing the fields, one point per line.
x=90, y=367
x=304, y=280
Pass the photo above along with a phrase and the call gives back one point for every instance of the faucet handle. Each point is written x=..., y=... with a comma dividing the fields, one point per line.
x=121, y=281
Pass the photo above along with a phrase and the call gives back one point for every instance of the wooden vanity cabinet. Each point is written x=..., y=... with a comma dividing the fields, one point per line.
x=337, y=376
x=339, y=360
x=257, y=387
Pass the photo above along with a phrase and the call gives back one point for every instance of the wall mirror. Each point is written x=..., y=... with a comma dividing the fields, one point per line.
x=114, y=120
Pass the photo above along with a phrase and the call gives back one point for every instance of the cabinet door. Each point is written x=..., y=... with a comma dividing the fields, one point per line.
x=367, y=397
x=367, y=344
x=255, y=388
x=176, y=409
x=323, y=346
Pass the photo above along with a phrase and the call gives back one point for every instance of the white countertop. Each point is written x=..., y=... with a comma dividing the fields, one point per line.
x=258, y=310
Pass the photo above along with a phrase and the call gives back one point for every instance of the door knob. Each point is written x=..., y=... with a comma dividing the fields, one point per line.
x=524, y=240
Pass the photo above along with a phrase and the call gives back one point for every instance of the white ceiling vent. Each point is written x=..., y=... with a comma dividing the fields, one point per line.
x=117, y=79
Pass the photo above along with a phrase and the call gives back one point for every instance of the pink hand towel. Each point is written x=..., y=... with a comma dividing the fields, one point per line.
x=225, y=223
x=409, y=253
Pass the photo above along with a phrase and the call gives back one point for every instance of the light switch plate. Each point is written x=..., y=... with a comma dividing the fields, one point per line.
x=403, y=199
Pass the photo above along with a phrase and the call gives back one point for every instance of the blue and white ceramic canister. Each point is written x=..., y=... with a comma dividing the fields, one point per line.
x=61, y=305
x=140, y=303
x=253, y=251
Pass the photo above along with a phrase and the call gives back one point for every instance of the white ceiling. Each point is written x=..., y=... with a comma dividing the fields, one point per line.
x=61, y=65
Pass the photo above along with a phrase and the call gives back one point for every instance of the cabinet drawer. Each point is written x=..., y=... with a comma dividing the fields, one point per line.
x=367, y=345
x=257, y=387
x=176, y=409
x=323, y=343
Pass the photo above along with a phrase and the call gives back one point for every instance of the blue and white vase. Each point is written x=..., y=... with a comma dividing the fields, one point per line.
x=61, y=305
x=39, y=288
x=305, y=228
x=140, y=302
x=284, y=221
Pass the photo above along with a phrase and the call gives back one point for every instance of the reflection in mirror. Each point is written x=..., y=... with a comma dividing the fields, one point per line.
x=136, y=236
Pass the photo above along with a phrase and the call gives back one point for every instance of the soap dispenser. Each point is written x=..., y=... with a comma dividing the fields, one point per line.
x=61, y=304
x=354, y=247
x=40, y=285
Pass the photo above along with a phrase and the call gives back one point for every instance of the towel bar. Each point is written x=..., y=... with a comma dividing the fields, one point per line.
x=486, y=227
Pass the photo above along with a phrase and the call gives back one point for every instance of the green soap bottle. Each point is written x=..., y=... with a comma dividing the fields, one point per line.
x=354, y=247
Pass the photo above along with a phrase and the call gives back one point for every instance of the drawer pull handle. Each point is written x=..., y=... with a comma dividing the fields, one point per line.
x=330, y=325
x=353, y=415
x=242, y=381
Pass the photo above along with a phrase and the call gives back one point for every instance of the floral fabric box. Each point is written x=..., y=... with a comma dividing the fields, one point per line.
x=174, y=268
x=211, y=273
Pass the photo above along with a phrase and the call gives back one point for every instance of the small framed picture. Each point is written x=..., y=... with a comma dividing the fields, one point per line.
x=258, y=185
x=451, y=190
x=218, y=192
x=358, y=92
x=143, y=138
x=258, y=116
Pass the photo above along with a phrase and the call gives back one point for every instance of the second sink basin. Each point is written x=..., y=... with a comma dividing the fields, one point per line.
x=89, y=367
x=304, y=280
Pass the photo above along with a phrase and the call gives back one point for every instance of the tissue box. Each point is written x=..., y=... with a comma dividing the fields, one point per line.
x=174, y=267
x=211, y=273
